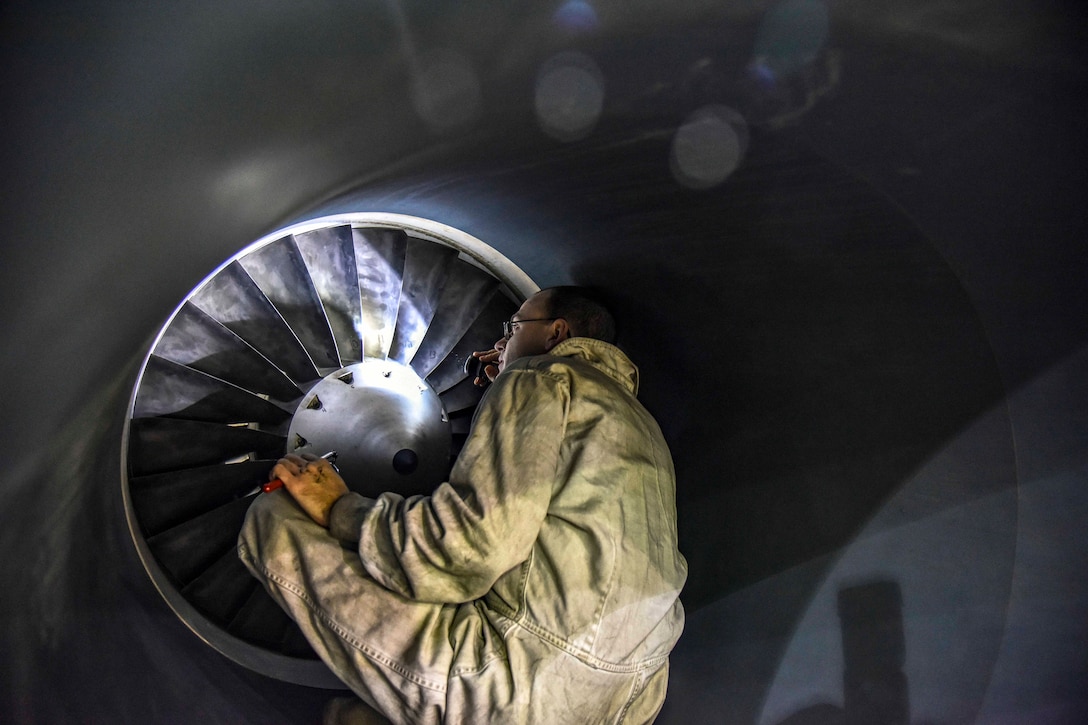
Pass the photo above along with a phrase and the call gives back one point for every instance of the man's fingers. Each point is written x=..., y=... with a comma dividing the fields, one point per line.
x=282, y=469
x=289, y=466
x=315, y=487
x=491, y=371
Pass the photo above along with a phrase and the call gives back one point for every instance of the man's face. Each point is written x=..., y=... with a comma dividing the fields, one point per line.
x=530, y=338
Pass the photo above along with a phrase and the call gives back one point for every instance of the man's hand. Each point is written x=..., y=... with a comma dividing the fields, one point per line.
x=312, y=482
x=491, y=370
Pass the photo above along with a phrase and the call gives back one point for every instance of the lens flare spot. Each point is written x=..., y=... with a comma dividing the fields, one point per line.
x=446, y=91
x=576, y=16
x=791, y=36
x=569, y=96
x=708, y=147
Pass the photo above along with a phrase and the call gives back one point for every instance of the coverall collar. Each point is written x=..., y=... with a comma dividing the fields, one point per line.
x=603, y=356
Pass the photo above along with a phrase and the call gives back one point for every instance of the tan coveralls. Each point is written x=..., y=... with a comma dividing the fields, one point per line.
x=539, y=585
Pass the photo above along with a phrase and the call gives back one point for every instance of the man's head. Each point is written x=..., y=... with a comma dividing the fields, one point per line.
x=551, y=316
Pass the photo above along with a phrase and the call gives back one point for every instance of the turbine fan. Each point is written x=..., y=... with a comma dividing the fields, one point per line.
x=346, y=333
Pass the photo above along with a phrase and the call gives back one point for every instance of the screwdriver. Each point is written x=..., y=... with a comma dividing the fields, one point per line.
x=277, y=483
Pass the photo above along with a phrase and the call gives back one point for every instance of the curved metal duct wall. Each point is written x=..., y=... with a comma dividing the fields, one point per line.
x=845, y=241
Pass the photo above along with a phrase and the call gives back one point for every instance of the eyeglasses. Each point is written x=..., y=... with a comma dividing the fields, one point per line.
x=508, y=325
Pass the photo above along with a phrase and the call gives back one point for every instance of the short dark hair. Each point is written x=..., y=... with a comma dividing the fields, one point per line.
x=583, y=311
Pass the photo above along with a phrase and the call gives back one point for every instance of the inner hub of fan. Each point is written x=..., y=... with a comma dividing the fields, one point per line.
x=386, y=424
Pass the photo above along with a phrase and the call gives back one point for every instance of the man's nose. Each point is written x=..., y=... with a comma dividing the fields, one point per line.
x=500, y=345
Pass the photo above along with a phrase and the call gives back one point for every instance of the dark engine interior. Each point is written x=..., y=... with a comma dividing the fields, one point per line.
x=845, y=241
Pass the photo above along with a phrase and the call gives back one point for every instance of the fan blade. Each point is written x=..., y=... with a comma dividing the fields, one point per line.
x=222, y=589
x=467, y=290
x=164, y=500
x=461, y=396
x=379, y=257
x=233, y=298
x=425, y=272
x=329, y=255
x=173, y=390
x=156, y=445
x=483, y=333
x=461, y=422
x=189, y=548
x=280, y=273
x=198, y=341
x=260, y=620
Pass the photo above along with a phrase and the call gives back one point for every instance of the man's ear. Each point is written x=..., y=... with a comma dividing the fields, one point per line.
x=558, y=331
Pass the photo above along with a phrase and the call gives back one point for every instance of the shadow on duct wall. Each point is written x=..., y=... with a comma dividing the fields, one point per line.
x=830, y=350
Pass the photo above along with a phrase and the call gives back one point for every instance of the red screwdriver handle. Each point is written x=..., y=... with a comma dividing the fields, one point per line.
x=272, y=485
x=277, y=483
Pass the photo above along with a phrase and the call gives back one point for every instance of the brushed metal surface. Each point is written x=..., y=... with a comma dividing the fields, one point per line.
x=233, y=298
x=466, y=292
x=157, y=445
x=280, y=273
x=486, y=328
x=170, y=498
x=425, y=275
x=329, y=255
x=197, y=341
x=379, y=256
x=368, y=413
x=174, y=390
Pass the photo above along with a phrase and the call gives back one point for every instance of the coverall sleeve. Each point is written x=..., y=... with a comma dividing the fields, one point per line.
x=453, y=545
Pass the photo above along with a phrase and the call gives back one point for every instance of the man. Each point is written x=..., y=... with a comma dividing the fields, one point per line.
x=539, y=585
